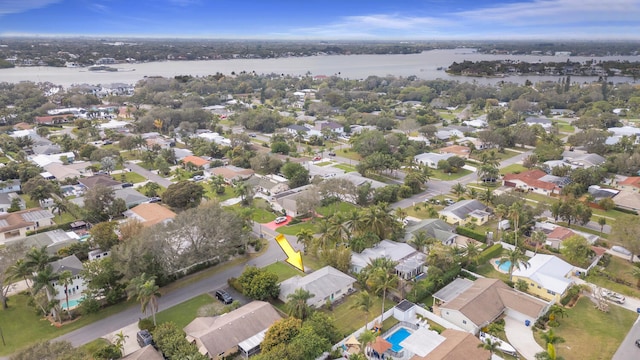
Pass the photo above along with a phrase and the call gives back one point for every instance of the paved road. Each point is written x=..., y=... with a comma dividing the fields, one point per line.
x=151, y=176
x=628, y=349
x=175, y=297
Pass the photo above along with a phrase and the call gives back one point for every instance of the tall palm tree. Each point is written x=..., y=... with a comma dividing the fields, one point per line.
x=458, y=189
x=21, y=270
x=324, y=241
x=59, y=206
x=378, y=219
x=65, y=279
x=305, y=237
x=354, y=222
x=517, y=260
x=420, y=240
x=37, y=258
x=635, y=272
x=242, y=190
x=297, y=306
x=472, y=251
x=363, y=302
x=366, y=338
x=538, y=238
x=515, y=211
x=381, y=280
x=500, y=211
x=43, y=281
x=145, y=290
x=120, y=340
x=338, y=230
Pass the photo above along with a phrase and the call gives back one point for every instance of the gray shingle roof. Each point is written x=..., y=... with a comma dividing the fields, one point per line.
x=320, y=283
x=463, y=208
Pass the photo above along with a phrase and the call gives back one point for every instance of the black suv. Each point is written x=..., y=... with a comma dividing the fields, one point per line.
x=144, y=338
x=224, y=296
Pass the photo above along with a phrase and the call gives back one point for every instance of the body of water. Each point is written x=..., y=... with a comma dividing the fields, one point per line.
x=424, y=65
x=397, y=337
x=504, y=267
x=72, y=303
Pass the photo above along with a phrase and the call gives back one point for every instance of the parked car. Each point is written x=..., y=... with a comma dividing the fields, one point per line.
x=224, y=296
x=144, y=338
x=612, y=296
x=127, y=185
x=332, y=154
x=317, y=158
x=638, y=343
x=252, y=135
x=449, y=201
x=281, y=219
x=155, y=199
x=198, y=178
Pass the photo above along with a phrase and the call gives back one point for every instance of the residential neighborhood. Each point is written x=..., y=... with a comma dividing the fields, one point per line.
x=411, y=224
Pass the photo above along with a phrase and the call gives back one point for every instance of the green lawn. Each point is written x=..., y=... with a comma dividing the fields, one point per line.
x=324, y=163
x=513, y=168
x=487, y=270
x=262, y=216
x=228, y=193
x=348, y=320
x=183, y=313
x=283, y=270
x=19, y=317
x=132, y=177
x=294, y=229
x=346, y=167
x=620, y=268
x=506, y=154
x=347, y=153
x=590, y=333
x=28, y=202
x=311, y=261
x=63, y=218
x=438, y=174
x=335, y=207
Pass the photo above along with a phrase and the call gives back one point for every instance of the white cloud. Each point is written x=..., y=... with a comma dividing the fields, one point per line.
x=19, y=6
x=555, y=12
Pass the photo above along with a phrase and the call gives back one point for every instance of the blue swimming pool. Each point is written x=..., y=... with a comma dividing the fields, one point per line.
x=397, y=337
x=504, y=267
x=72, y=303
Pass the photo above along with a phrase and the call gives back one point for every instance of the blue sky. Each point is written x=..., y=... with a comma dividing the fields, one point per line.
x=326, y=19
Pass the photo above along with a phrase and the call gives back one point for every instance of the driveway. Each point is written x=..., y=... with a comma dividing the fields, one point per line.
x=521, y=338
x=151, y=176
x=628, y=349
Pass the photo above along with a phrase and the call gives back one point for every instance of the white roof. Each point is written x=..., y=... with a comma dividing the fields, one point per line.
x=392, y=250
x=422, y=341
x=113, y=124
x=548, y=271
x=433, y=157
x=320, y=283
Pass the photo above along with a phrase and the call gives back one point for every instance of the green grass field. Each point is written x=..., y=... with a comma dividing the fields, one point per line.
x=591, y=334
x=132, y=177
x=262, y=216
x=513, y=168
x=345, y=167
x=335, y=207
x=324, y=163
x=348, y=320
x=283, y=270
x=438, y=174
x=346, y=153
x=183, y=313
x=294, y=229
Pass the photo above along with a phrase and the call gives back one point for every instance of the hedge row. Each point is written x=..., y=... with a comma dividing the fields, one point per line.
x=626, y=211
x=490, y=253
x=64, y=226
x=470, y=233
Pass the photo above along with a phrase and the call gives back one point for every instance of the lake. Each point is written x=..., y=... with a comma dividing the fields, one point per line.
x=424, y=65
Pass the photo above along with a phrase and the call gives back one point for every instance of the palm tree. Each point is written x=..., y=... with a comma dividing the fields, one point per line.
x=59, y=206
x=363, y=302
x=515, y=210
x=635, y=272
x=381, y=280
x=242, y=190
x=517, y=260
x=145, y=290
x=354, y=222
x=297, y=304
x=43, y=280
x=556, y=310
x=65, y=279
x=37, y=258
x=366, y=338
x=458, y=189
x=20, y=271
x=538, y=238
x=305, y=237
x=551, y=339
x=420, y=240
x=338, y=230
x=120, y=339
x=472, y=252
x=500, y=211
x=378, y=220
x=490, y=345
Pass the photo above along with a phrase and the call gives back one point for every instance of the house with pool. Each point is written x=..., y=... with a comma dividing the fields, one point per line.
x=409, y=261
x=548, y=276
x=472, y=305
x=74, y=290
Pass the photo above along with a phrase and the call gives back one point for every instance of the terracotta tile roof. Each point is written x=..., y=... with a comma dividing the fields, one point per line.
x=531, y=178
x=631, y=181
x=195, y=160
x=21, y=219
x=381, y=345
x=232, y=172
x=152, y=213
x=458, y=345
x=560, y=233
x=52, y=119
x=459, y=150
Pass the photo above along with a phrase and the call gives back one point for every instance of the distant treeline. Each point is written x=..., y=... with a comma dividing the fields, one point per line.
x=568, y=68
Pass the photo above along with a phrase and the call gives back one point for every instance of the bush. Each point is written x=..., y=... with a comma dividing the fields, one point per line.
x=89, y=306
x=107, y=352
x=470, y=233
x=146, y=324
x=234, y=283
x=490, y=253
x=626, y=211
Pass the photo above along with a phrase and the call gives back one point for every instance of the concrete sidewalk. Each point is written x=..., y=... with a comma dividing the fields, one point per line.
x=521, y=338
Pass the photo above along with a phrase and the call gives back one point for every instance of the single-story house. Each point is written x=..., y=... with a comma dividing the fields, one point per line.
x=434, y=228
x=130, y=196
x=9, y=186
x=431, y=159
x=287, y=201
x=102, y=180
x=54, y=119
x=43, y=160
x=451, y=344
x=485, y=301
x=7, y=198
x=410, y=262
x=325, y=285
x=582, y=159
x=464, y=212
x=267, y=185
x=628, y=200
x=358, y=180
x=548, y=276
x=295, y=129
x=62, y=172
x=240, y=330
x=196, y=161
x=215, y=137
x=150, y=214
x=545, y=123
x=632, y=183
x=53, y=240
x=600, y=193
x=535, y=180
x=14, y=226
x=231, y=173
x=47, y=149
x=558, y=235
x=457, y=150
x=146, y=353
x=73, y=264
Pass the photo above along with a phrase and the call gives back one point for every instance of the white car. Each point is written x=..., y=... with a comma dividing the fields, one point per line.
x=281, y=219
x=612, y=296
